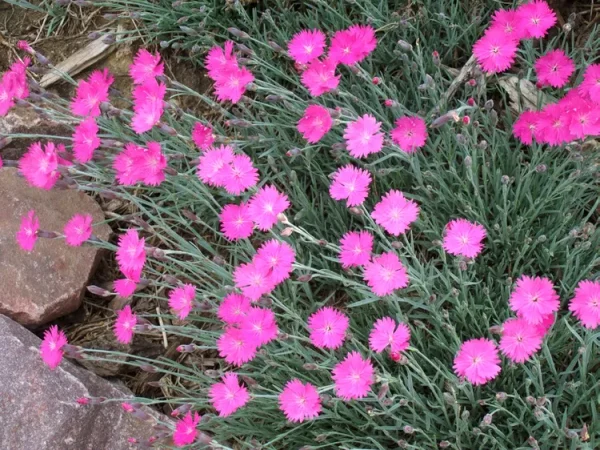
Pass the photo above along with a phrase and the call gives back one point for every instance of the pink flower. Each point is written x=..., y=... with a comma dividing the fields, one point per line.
x=1, y=163
x=590, y=86
x=213, y=163
x=395, y=212
x=233, y=308
x=410, y=133
x=252, y=281
x=477, y=360
x=259, y=325
x=85, y=140
x=51, y=348
x=220, y=61
x=40, y=167
x=276, y=259
x=352, y=45
x=553, y=124
x=236, y=222
x=386, y=333
x=315, y=123
x=351, y=184
x=151, y=165
x=124, y=325
x=228, y=396
x=534, y=298
x=125, y=287
x=507, y=21
x=306, y=46
x=385, y=274
x=463, y=238
x=299, y=401
x=235, y=347
x=232, y=84
x=353, y=377
x=525, y=127
x=328, y=328
x=148, y=105
x=519, y=340
x=126, y=164
x=266, y=205
x=584, y=119
x=181, y=300
x=320, y=77
x=356, y=248
x=494, y=51
x=91, y=92
x=363, y=136
x=585, y=305
x=27, y=234
x=6, y=98
x=554, y=69
x=239, y=175
x=131, y=252
x=145, y=66
x=544, y=326
x=203, y=136
x=185, y=430
x=535, y=18
x=78, y=229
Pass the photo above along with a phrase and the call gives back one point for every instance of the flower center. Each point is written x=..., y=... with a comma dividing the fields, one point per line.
x=387, y=274
x=308, y=49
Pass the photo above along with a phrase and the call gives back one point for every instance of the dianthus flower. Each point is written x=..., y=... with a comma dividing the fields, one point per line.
x=356, y=248
x=51, y=347
x=13, y=85
x=148, y=105
x=233, y=308
x=386, y=333
x=40, y=166
x=585, y=305
x=553, y=124
x=525, y=127
x=124, y=325
x=152, y=164
x=519, y=340
x=78, y=229
x=203, y=136
x=315, y=123
x=320, y=77
x=352, y=45
x=181, y=300
x=220, y=61
x=131, y=251
x=185, y=430
x=494, y=51
x=85, y=140
x=395, y=213
x=229, y=395
x=464, y=238
x=554, y=69
x=213, y=165
x=534, y=298
x=276, y=259
x=299, y=401
x=236, y=347
x=232, y=85
x=266, y=205
x=507, y=21
x=239, y=175
x=385, y=273
x=410, y=133
x=363, y=136
x=477, y=360
x=91, y=92
x=259, y=325
x=253, y=281
x=351, y=184
x=353, y=377
x=583, y=117
x=328, y=328
x=236, y=222
x=145, y=66
x=126, y=164
x=27, y=234
x=125, y=287
x=306, y=46
x=535, y=18
x=590, y=86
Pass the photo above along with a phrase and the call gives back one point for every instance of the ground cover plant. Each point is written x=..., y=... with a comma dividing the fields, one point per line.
x=377, y=262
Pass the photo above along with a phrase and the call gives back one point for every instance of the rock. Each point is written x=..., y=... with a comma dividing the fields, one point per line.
x=49, y=282
x=38, y=408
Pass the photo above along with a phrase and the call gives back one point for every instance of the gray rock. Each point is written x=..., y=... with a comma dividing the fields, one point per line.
x=38, y=408
x=49, y=282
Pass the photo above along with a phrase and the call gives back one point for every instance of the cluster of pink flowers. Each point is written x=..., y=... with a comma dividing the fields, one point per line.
x=76, y=231
x=230, y=79
x=131, y=257
x=39, y=165
x=137, y=164
x=221, y=167
x=148, y=93
x=13, y=85
x=91, y=93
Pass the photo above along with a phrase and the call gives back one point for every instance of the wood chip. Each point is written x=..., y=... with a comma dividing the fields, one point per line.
x=523, y=94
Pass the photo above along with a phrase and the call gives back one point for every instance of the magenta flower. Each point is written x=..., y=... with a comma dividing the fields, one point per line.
x=328, y=328
x=363, y=136
x=494, y=51
x=266, y=205
x=203, y=136
x=220, y=61
x=85, y=140
x=253, y=281
x=352, y=45
x=276, y=259
x=232, y=84
x=385, y=273
x=320, y=77
x=126, y=164
x=91, y=92
x=386, y=333
x=554, y=69
x=1, y=163
x=315, y=123
x=410, y=133
x=229, y=395
x=350, y=184
x=236, y=347
x=306, y=46
x=356, y=248
x=125, y=287
x=395, y=213
x=519, y=340
x=535, y=18
x=125, y=325
x=148, y=105
x=40, y=166
x=27, y=234
x=234, y=308
x=145, y=66
x=590, y=86
x=239, y=175
x=185, y=430
x=181, y=300
x=534, y=298
x=259, y=325
x=151, y=165
x=507, y=21
x=585, y=305
x=584, y=117
x=463, y=238
x=553, y=123
x=213, y=162
x=51, y=347
x=236, y=222
x=477, y=360
x=131, y=252
x=78, y=229
x=299, y=401
x=353, y=377
x=525, y=127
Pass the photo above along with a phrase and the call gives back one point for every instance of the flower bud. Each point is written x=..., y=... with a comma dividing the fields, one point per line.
x=471, y=101
x=286, y=232
x=487, y=419
x=435, y=55
x=383, y=390
x=148, y=368
x=501, y=396
x=408, y=429
x=276, y=47
x=310, y=366
x=390, y=103
x=181, y=410
x=186, y=348
x=238, y=33
x=405, y=46
x=100, y=292
x=489, y=104
x=444, y=444
x=304, y=278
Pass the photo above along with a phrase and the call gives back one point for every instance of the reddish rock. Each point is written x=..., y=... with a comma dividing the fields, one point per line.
x=49, y=282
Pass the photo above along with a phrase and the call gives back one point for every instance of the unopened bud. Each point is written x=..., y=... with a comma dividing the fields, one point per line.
x=276, y=47
x=148, y=368
x=383, y=391
x=390, y=103
x=96, y=290
x=444, y=444
x=310, y=366
x=181, y=410
x=304, y=278
x=186, y=348
x=501, y=396
x=286, y=232
x=471, y=101
x=436, y=58
x=405, y=46
x=489, y=104
x=356, y=211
